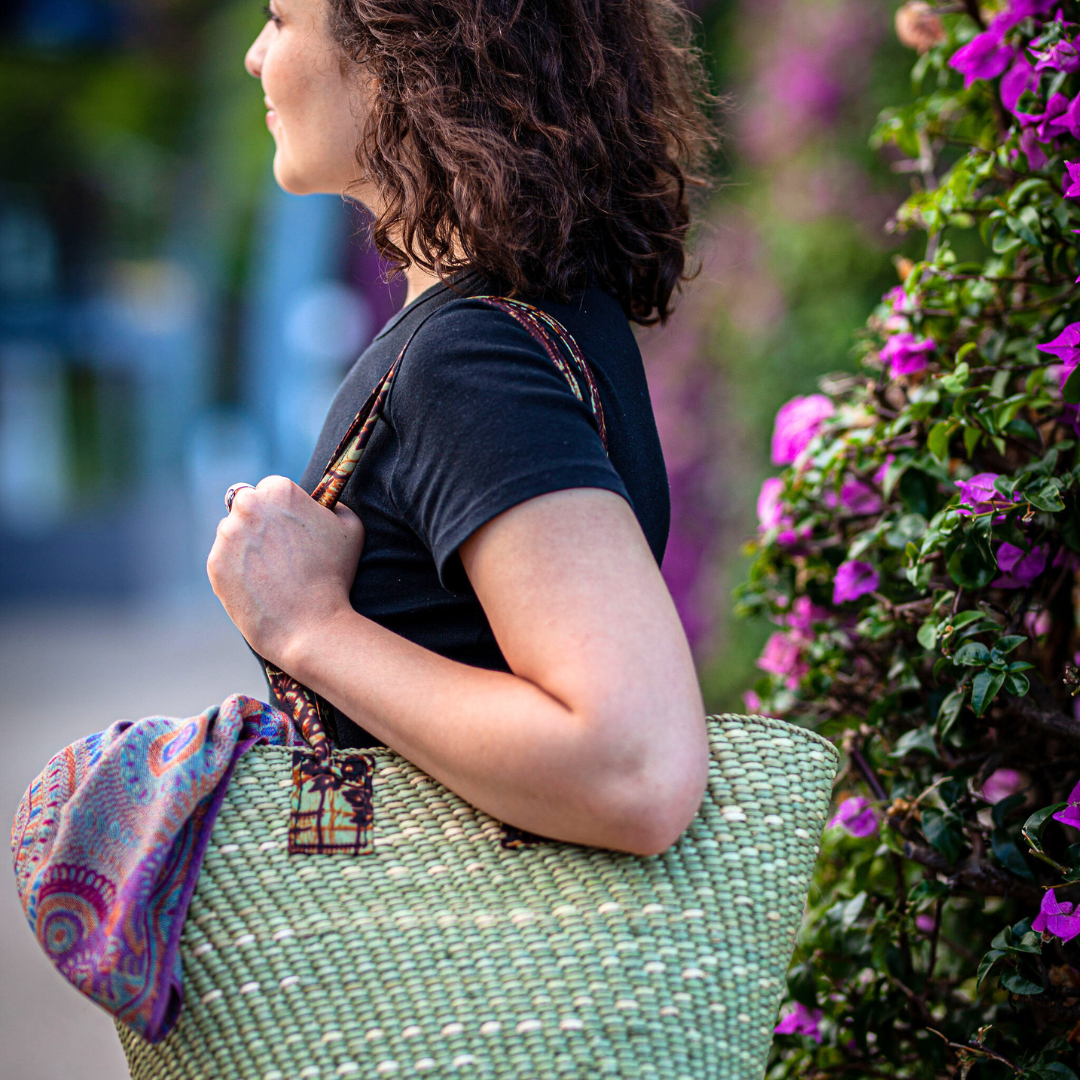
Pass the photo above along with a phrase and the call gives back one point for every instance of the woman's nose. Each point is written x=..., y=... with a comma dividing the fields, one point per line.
x=253, y=61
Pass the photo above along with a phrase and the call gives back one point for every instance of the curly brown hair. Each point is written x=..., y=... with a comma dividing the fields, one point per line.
x=545, y=143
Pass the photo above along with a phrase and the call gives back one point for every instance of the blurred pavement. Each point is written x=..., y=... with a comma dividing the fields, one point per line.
x=67, y=673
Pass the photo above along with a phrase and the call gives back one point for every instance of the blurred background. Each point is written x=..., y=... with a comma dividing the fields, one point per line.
x=171, y=322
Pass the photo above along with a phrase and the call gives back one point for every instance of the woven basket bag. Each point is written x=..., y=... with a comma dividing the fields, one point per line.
x=447, y=954
x=458, y=947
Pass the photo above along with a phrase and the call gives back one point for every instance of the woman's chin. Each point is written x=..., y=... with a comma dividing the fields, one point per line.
x=292, y=179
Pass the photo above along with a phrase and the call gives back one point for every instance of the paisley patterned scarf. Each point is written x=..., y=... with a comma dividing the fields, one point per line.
x=107, y=845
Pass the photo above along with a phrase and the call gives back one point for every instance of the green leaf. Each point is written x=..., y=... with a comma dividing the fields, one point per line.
x=964, y=617
x=1047, y=496
x=1016, y=983
x=1033, y=827
x=1055, y=1071
x=851, y=911
x=1004, y=242
x=1004, y=807
x=972, y=435
x=943, y=833
x=916, y=739
x=949, y=711
x=1028, y=942
x=1018, y=685
x=988, y=963
x=1008, y=854
x=1005, y=645
x=940, y=664
x=1023, y=189
x=972, y=654
x=964, y=399
x=957, y=380
x=970, y=567
x=938, y=439
x=927, y=635
x=802, y=984
x=1070, y=392
x=984, y=688
x=1023, y=228
x=1021, y=429
x=892, y=475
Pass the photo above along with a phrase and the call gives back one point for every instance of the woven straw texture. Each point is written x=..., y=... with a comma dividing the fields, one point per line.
x=445, y=954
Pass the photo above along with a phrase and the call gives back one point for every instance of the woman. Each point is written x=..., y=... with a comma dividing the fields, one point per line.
x=487, y=599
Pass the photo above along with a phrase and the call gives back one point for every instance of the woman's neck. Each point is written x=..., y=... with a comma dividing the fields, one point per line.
x=419, y=280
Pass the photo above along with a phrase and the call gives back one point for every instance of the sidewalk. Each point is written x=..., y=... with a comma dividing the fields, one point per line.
x=65, y=674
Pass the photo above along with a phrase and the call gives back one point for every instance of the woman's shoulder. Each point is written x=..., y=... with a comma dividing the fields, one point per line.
x=477, y=327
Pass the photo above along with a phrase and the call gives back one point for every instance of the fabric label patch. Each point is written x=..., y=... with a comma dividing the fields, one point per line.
x=331, y=805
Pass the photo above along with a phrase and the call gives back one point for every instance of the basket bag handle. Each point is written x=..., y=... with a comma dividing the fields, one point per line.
x=304, y=705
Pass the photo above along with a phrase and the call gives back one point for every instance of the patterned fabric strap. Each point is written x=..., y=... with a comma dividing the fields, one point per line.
x=551, y=334
x=320, y=783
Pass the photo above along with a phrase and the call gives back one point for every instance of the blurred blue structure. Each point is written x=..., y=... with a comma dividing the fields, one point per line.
x=303, y=323
x=135, y=387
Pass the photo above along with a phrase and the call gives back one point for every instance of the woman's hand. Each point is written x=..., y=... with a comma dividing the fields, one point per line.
x=282, y=565
x=598, y=737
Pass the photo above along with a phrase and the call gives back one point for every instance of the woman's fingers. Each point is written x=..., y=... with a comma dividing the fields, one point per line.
x=281, y=562
x=354, y=527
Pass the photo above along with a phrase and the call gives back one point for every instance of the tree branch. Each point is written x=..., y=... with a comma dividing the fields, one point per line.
x=1052, y=721
x=980, y=876
x=972, y=8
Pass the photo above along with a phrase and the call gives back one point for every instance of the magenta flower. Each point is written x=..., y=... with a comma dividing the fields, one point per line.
x=770, y=509
x=1071, y=814
x=1019, y=78
x=1061, y=56
x=802, y=617
x=1062, y=116
x=980, y=494
x=797, y=422
x=1000, y=784
x=984, y=57
x=1029, y=144
x=882, y=469
x=1017, y=11
x=1021, y=568
x=856, y=815
x=1071, y=186
x=783, y=656
x=925, y=924
x=901, y=301
x=859, y=497
x=1038, y=623
x=752, y=701
x=801, y=1021
x=1066, y=346
x=1056, y=918
x=854, y=579
x=905, y=354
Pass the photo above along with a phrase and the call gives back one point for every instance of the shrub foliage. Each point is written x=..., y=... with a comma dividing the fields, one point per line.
x=919, y=554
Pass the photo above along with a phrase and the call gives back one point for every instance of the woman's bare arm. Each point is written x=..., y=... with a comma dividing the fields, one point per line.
x=598, y=735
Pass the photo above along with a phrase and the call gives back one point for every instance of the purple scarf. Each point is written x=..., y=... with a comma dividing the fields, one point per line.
x=108, y=841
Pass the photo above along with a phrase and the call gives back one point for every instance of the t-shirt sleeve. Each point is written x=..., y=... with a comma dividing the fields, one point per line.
x=484, y=421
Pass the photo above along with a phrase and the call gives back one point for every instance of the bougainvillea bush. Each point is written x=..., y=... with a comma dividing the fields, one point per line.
x=919, y=554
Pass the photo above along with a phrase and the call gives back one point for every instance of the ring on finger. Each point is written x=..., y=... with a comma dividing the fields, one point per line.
x=230, y=495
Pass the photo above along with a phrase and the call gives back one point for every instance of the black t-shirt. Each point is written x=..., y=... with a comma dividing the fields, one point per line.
x=479, y=420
